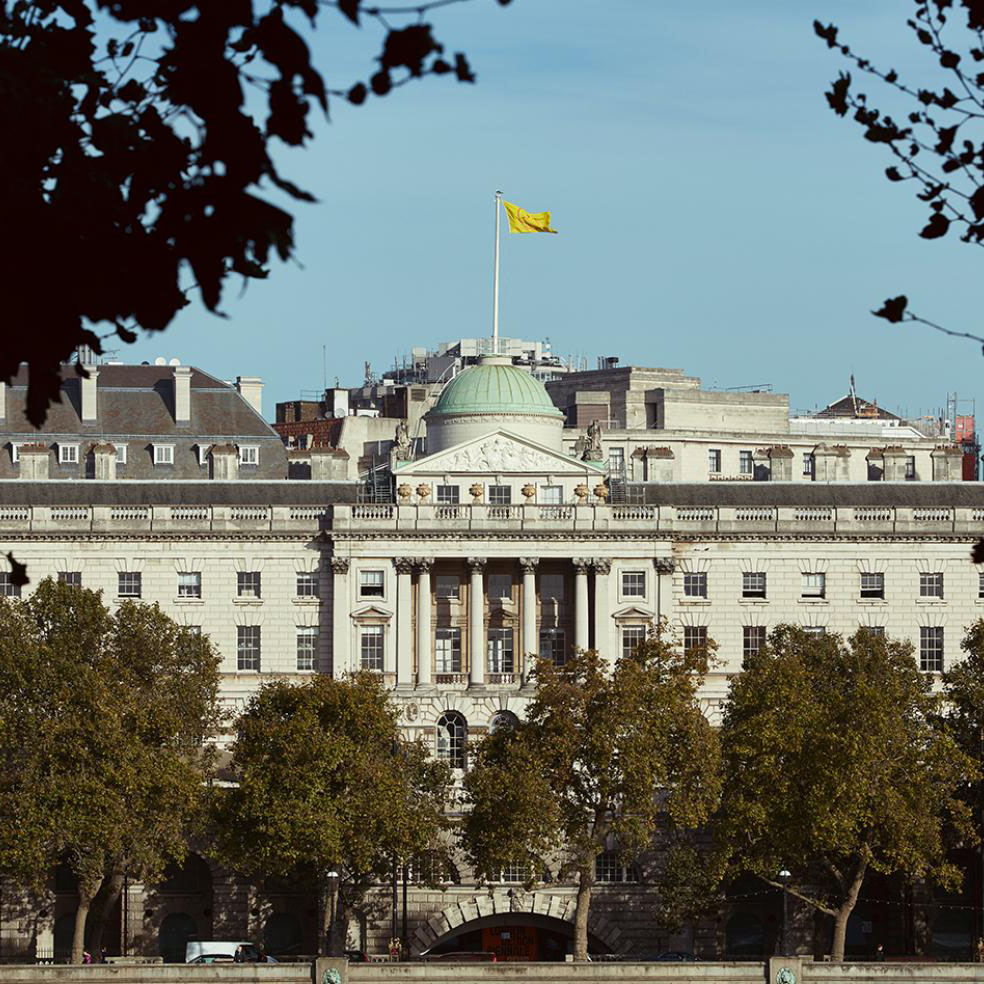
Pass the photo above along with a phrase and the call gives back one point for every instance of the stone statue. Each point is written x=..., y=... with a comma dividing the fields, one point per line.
x=592, y=450
x=401, y=443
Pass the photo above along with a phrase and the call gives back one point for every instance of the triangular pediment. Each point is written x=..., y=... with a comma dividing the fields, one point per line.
x=633, y=612
x=370, y=612
x=499, y=453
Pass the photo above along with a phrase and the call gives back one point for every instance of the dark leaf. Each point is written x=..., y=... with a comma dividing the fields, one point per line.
x=381, y=83
x=125, y=335
x=948, y=100
x=936, y=227
x=132, y=91
x=462, y=69
x=892, y=76
x=924, y=36
x=892, y=173
x=950, y=165
x=977, y=203
x=949, y=59
x=18, y=572
x=946, y=135
x=350, y=8
x=893, y=309
x=357, y=94
x=837, y=97
x=828, y=33
x=440, y=67
x=408, y=48
x=931, y=192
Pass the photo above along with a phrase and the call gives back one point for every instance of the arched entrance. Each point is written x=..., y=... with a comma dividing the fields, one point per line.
x=515, y=926
x=172, y=938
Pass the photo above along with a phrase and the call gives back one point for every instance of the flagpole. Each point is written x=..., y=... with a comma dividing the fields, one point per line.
x=495, y=279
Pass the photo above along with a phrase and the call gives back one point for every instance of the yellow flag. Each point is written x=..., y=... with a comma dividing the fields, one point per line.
x=522, y=221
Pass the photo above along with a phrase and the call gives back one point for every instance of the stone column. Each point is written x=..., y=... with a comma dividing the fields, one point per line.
x=341, y=650
x=530, y=642
x=476, y=622
x=404, y=637
x=425, y=656
x=602, y=610
x=581, y=616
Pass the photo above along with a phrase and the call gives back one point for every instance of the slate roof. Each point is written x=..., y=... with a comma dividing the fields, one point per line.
x=904, y=494
x=200, y=493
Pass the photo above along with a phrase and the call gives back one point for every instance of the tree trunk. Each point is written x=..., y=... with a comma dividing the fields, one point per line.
x=584, y=883
x=101, y=907
x=87, y=893
x=844, y=913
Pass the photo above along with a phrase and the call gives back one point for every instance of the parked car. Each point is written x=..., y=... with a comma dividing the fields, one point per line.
x=675, y=956
x=223, y=951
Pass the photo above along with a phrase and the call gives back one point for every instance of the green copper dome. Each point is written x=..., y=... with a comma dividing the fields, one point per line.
x=495, y=386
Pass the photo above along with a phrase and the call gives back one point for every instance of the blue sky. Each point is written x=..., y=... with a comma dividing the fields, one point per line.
x=714, y=215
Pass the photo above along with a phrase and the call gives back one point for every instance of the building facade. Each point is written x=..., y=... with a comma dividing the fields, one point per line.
x=499, y=546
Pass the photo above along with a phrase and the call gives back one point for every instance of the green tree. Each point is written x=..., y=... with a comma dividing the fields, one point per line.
x=102, y=722
x=136, y=171
x=620, y=755
x=325, y=783
x=835, y=766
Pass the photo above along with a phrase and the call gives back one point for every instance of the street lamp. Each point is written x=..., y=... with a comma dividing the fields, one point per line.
x=332, y=879
x=784, y=876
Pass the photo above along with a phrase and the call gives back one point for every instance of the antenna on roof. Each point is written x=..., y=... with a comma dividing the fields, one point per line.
x=854, y=395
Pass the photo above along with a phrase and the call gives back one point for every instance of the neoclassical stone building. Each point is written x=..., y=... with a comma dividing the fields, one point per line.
x=499, y=546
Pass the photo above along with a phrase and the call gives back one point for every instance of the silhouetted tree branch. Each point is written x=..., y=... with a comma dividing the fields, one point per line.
x=132, y=162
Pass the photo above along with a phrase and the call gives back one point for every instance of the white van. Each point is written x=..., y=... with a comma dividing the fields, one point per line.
x=222, y=951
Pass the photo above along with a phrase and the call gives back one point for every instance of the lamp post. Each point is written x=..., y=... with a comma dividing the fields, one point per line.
x=784, y=877
x=332, y=879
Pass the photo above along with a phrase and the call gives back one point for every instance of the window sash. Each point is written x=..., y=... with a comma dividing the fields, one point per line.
x=500, y=651
x=248, y=647
x=633, y=584
x=814, y=630
x=307, y=584
x=632, y=637
x=694, y=636
x=68, y=454
x=931, y=648
x=371, y=648
x=930, y=585
x=7, y=587
x=814, y=585
x=872, y=585
x=72, y=578
x=808, y=463
x=500, y=495
x=163, y=454
x=752, y=639
x=695, y=585
x=120, y=454
x=452, y=733
x=249, y=455
x=448, y=495
x=307, y=644
x=447, y=652
x=129, y=584
x=248, y=584
x=371, y=584
x=753, y=584
x=552, y=646
x=714, y=461
x=500, y=587
x=550, y=495
x=190, y=584
x=448, y=586
x=745, y=463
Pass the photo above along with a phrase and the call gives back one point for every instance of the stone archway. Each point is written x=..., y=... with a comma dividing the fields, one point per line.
x=454, y=918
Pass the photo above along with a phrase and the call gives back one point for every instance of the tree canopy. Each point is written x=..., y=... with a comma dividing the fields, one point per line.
x=134, y=162
x=835, y=765
x=325, y=783
x=102, y=720
x=607, y=758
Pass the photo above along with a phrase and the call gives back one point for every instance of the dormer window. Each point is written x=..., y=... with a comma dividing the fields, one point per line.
x=203, y=450
x=120, y=454
x=249, y=455
x=163, y=454
x=68, y=454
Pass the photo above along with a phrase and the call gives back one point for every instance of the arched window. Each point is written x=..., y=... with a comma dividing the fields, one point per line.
x=503, y=719
x=452, y=732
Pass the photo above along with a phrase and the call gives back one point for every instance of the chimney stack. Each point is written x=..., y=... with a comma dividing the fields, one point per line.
x=89, y=392
x=182, y=394
x=225, y=462
x=3, y=401
x=104, y=461
x=250, y=388
x=35, y=461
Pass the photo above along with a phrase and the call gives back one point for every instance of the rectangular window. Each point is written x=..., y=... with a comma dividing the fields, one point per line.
x=550, y=495
x=128, y=584
x=68, y=454
x=980, y=585
x=501, y=650
x=120, y=454
x=203, y=450
x=930, y=585
x=746, y=465
x=714, y=461
x=910, y=468
x=609, y=869
x=752, y=639
x=553, y=646
x=248, y=647
x=248, y=584
x=753, y=584
x=931, y=648
x=307, y=584
x=877, y=630
x=190, y=585
x=515, y=873
x=500, y=587
x=616, y=460
x=814, y=630
x=633, y=584
x=814, y=586
x=872, y=585
x=448, y=651
x=632, y=636
x=447, y=495
x=500, y=495
x=448, y=586
x=371, y=648
x=808, y=463
x=552, y=587
x=371, y=584
x=249, y=455
x=7, y=587
x=307, y=647
x=163, y=454
x=695, y=585
x=15, y=453
x=72, y=578
x=694, y=636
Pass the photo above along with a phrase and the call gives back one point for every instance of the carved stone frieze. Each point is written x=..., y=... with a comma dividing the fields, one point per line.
x=339, y=565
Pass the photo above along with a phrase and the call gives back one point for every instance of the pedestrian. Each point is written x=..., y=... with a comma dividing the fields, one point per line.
x=86, y=957
x=880, y=952
x=239, y=956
